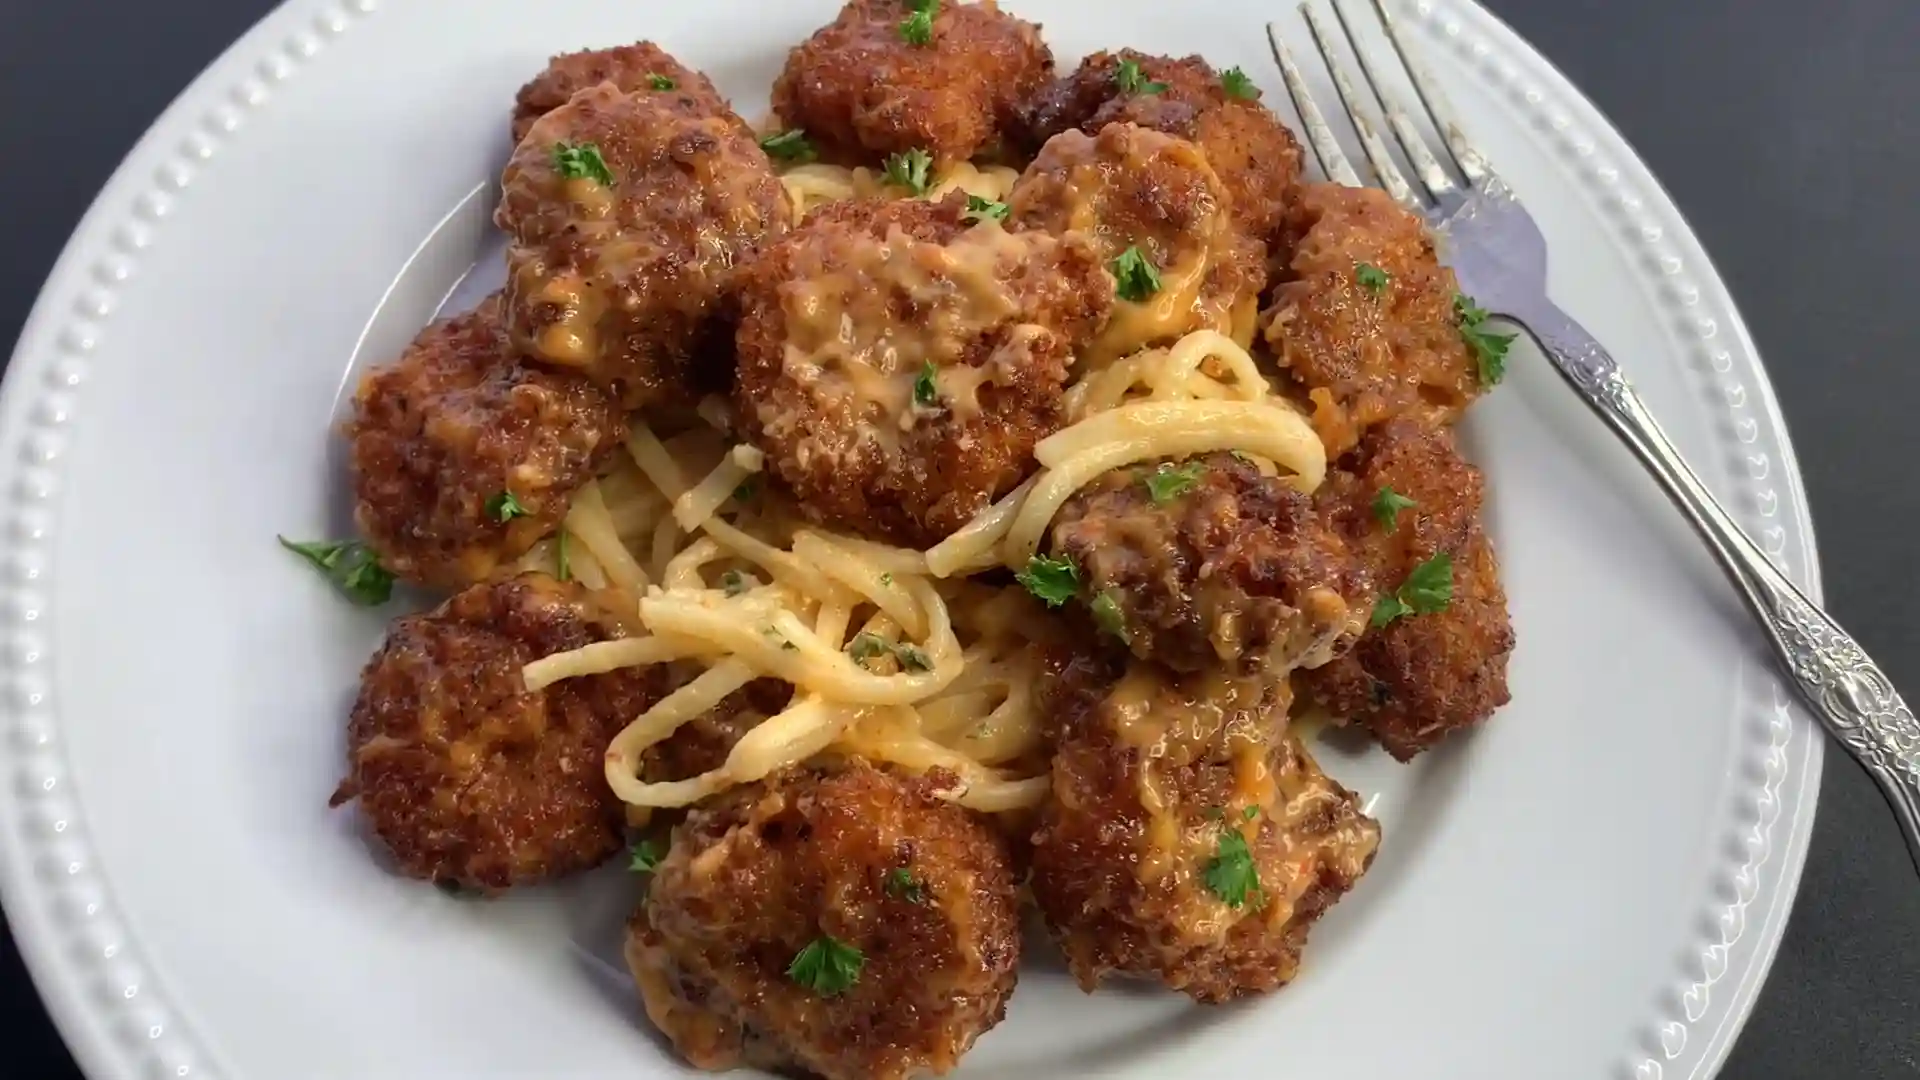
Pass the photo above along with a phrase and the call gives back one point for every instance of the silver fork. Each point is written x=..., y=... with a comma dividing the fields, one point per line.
x=1500, y=257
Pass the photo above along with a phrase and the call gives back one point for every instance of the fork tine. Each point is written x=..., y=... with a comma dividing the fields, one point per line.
x=1473, y=165
x=1425, y=165
x=1326, y=146
x=1376, y=149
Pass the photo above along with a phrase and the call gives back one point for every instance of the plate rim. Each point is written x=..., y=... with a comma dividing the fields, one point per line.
x=56, y=905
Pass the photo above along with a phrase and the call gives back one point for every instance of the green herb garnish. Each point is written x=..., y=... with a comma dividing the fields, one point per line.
x=1427, y=591
x=791, y=146
x=646, y=857
x=912, y=170
x=1051, y=581
x=350, y=566
x=1371, y=278
x=581, y=161
x=562, y=564
x=902, y=884
x=1230, y=874
x=734, y=582
x=979, y=209
x=1387, y=506
x=917, y=28
x=827, y=966
x=660, y=82
x=506, y=506
x=1131, y=80
x=1108, y=615
x=1167, y=483
x=1489, y=348
x=1135, y=277
x=926, y=386
x=1236, y=84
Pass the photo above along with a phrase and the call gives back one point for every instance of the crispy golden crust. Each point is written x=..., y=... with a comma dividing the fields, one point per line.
x=758, y=876
x=465, y=776
x=1255, y=155
x=1236, y=571
x=632, y=285
x=1133, y=187
x=1363, y=358
x=1150, y=772
x=633, y=68
x=449, y=427
x=842, y=319
x=862, y=91
x=1419, y=678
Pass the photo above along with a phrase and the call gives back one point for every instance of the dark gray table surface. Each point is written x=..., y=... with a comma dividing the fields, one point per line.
x=1786, y=131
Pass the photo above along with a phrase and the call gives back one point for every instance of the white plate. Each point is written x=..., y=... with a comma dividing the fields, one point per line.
x=1590, y=888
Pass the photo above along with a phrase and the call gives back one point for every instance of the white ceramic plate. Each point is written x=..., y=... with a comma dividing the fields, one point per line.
x=1590, y=888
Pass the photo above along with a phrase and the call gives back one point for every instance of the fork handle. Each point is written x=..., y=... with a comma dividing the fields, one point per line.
x=1853, y=698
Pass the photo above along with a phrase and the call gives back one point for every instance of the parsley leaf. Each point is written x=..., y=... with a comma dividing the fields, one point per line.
x=734, y=582
x=1167, y=483
x=1052, y=581
x=744, y=491
x=926, y=386
x=581, y=161
x=505, y=506
x=660, y=82
x=562, y=565
x=646, y=857
x=1387, y=506
x=1135, y=277
x=917, y=28
x=1427, y=591
x=1371, y=278
x=865, y=647
x=1489, y=348
x=886, y=578
x=1236, y=84
x=1230, y=874
x=1131, y=80
x=912, y=170
x=1109, y=617
x=912, y=658
x=827, y=966
x=350, y=566
x=902, y=884
x=979, y=209
x=791, y=146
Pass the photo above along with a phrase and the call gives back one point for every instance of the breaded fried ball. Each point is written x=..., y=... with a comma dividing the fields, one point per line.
x=845, y=923
x=463, y=458
x=467, y=777
x=863, y=90
x=1188, y=838
x=1137, y=192
x=1207, y=562
x=1255, y=155
x=1363, y=321
x=1422, y=676
x=642, y=67
x=629, y=214
x=898, y=363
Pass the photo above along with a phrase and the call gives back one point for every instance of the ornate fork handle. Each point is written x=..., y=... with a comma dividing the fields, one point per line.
x=1853, y=698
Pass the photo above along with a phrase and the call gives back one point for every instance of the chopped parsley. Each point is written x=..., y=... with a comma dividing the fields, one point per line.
x=979, y=209
x=865, y=647
x=744, y=491
x=1489, y=348
x=1387, y=506
x=1051, y=581
x=1135, y=277
x=902, y=884
x=791, y=146
x=917, y=28
x=1109, y=617
x=562, y=565
x=827, y=966
x=646, y=857
x=734, y=582
x=1230, y=874
x=926, y=386
x=581, y=161
x=886, y=578
x=1427, y=591
x=1236, y=84
x=660, y=82
x=912, y=658
x=1131, y=80
x=1167, y=483
x=1371, y=278
x=350, y=566
x=912, y=170
x=506, y=506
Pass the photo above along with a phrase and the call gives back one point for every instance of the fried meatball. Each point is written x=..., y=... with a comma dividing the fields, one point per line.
x=1419, y=677
x=631, y=282
x=908, y=899
x=1188, y=838
x=466, y=776
x=1131, y=188
x=1365, y=354
x=703, y=743
x=897, y=364
x=863, y=91
x=1208, y=562
x=640, y=68
x=463, y=459
x=1256, y=157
